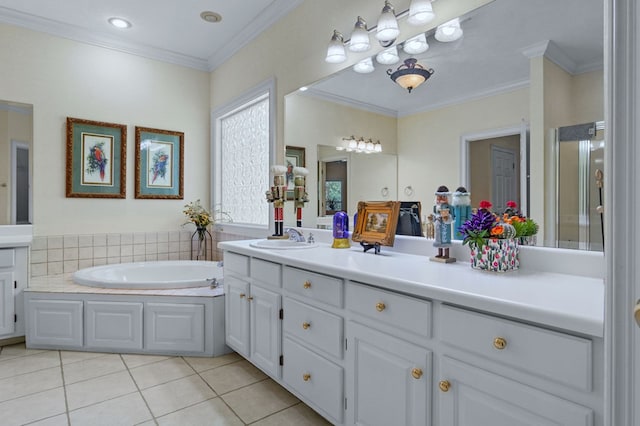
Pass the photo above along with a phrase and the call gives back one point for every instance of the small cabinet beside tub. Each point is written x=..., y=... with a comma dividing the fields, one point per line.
x=13, y=281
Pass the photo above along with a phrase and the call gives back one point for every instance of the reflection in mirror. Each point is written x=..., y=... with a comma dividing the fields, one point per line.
x=507, y=72
x=16, y=144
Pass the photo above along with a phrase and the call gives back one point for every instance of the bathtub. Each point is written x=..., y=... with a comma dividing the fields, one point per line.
x=151, y=275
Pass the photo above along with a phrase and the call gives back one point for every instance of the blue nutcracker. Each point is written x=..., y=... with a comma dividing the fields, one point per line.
x=444, y=217
x=461, y=210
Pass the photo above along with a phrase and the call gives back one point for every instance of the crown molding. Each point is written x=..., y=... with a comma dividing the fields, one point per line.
x=551, y=51
x=330, y=97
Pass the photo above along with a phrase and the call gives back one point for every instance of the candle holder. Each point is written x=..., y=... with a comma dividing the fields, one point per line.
x=341, y=230
x=277, y=196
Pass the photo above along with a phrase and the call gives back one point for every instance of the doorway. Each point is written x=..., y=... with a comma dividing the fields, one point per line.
x=21, y=184
x=332, y=187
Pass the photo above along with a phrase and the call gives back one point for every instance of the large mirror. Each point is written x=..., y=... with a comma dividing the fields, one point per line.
x=523, y=69
x=16, y=144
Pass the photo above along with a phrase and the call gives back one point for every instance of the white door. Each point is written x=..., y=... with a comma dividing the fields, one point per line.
x=504, y=181
x=236, y=314
x=7, y=323
x=265, y=330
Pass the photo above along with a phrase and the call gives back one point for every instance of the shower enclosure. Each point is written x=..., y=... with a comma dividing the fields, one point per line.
x=579, y=171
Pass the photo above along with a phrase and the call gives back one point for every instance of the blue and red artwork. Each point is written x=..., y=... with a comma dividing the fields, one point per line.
x=159, y=165
x=97, y=160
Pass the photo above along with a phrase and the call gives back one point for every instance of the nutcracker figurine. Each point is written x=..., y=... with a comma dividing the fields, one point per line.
x=277, y=196
x=443, y=212
x=300, y=195
x=461, y=210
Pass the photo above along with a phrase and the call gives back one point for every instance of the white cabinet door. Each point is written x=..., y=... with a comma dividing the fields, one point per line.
x=54, y=323
x=173, y=328
x=113, y=325
x=388, y=379
x=469, y=396
x=7, y=303
x=265, y=330
x=236, y=314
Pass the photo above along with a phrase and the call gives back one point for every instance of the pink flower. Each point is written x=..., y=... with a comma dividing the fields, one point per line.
x=484, y=204
x=512, y=204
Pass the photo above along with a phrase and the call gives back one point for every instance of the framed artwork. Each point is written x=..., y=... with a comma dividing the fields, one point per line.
x=377, y=221
x=96, y=159
x=293, y=157
x=159, y=163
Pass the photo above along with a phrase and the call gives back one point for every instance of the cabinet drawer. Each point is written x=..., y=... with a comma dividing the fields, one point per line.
x=318, y=287
x=266, y=272
x=552, y=355
x=236, y=263
x=315, y=378
x=313, y=326
x=408, y=313
x=7, y=258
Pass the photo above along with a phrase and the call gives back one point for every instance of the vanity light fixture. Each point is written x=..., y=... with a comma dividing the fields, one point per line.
x=387, y=29
x=420, y=12
x=449, y=31
x=410, y=74
x=388, y=56
x=359, y=145
x=335, y=52
x=415, y=45
x=360, y=37
x=365, y=66
x=120, y=23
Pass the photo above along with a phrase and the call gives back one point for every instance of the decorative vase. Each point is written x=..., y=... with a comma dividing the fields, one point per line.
x=201, y=243
x=497, y=255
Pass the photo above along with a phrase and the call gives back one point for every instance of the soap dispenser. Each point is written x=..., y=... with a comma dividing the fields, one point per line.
x=340, y=230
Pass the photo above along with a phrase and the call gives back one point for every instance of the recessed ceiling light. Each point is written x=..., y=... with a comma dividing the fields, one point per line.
x=120, y=23
x=211, y=17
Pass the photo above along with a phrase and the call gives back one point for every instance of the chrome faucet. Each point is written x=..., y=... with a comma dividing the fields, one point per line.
x=295, y=235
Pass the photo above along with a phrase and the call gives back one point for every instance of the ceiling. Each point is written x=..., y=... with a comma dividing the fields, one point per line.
x=490, y=58
x=170, y=31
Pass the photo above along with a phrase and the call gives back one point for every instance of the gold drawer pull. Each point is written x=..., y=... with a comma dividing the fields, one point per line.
x=380, y=306
x=306, y=325
x=250, y=298
x=499, y=343
x=242, y=295
x=444, y=385
x=307, y=284
x=306, y=377
x=416, y=373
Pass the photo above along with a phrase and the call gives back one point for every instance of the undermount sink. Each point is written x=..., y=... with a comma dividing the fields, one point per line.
x=282, y=244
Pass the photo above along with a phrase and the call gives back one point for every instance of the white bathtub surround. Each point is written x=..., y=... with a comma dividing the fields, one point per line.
x=58, y=254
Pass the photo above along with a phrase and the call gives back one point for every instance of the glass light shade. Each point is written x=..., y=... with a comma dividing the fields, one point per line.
x=420, y=12
x=415, y=45
x=449, y=31
x=388, y=56
x=359, y=37
x=335, y=52
x=387, y=29
x=378, y=147
x=361, y=145
x=370, y=147
x=410, y=80
x=365, y=66
x=353, y=145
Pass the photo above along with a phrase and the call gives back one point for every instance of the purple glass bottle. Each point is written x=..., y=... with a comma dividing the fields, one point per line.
x=341, y=230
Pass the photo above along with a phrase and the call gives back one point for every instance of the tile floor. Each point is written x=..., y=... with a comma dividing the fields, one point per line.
x=41, y=387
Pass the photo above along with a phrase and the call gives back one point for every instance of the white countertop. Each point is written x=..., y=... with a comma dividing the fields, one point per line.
x=16, y=235
x=568, y=302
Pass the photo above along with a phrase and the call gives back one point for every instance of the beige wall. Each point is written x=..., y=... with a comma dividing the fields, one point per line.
x=63, y=78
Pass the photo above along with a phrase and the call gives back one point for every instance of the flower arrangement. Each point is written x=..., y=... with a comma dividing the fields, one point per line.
x=197, y=214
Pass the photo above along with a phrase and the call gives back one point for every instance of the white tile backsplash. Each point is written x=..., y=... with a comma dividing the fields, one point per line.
x=54, y=242
x=113, y=240
x=70, y=241
x=99, y=240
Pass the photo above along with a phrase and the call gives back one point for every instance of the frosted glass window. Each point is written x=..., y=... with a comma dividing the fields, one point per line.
x=244, y=162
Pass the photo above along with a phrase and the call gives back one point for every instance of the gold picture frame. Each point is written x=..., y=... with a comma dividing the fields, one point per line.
x=159, y=161
x=377, y=221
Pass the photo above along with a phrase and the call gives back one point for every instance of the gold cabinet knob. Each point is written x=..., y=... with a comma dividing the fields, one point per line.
x=307, y=284
x=250, y=298
x=380, y=306
x=306, y=377
x=500, y=343
x=242, y=295
x=444, y=385
x=416, y=373
x=306, y=325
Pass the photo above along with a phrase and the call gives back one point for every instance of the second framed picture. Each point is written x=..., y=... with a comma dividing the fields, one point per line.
x=293, y=157
x=159, y=163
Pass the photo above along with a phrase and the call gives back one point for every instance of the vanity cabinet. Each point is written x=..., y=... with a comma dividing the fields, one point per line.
x=13, y=281
x=252, y=310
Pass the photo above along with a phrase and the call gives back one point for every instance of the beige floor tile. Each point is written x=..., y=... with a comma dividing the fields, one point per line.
x=205, y=363
x=26, y=384
x=177, y=394
x=99, y=389
x=148, y=423
x=19, y=349
x=298, y=415
x=232, y=376
x=33, y=407
x=28, y=364
x=161, y=372
x=136, y=360
x=74, y=356
x=259, y=400
x=91, y=368
x=213, y=412
x=125, y=410
x=59, y=420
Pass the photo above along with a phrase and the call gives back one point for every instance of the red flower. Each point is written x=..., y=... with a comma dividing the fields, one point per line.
x=512, y=204
x=484, y=204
